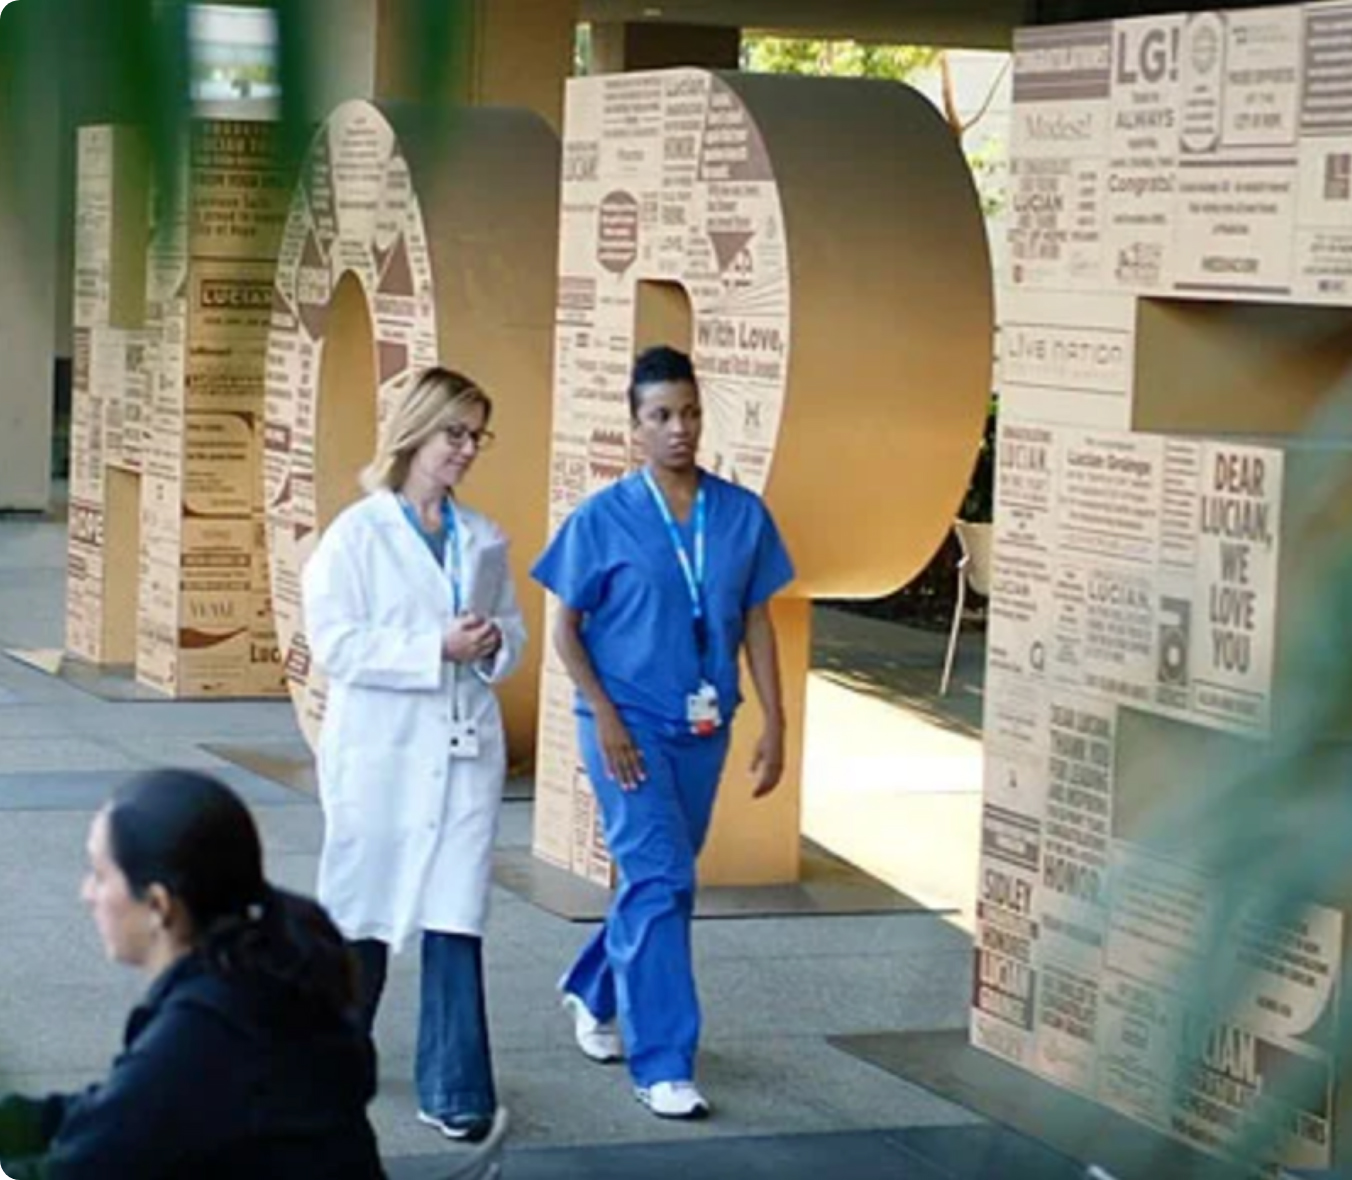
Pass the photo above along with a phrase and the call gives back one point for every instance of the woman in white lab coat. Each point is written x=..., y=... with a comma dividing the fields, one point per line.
x=411, y=613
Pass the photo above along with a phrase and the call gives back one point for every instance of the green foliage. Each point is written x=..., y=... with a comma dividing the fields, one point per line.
x=979, y=502
x=987, y=163
x=582, y=50
x=764, y=54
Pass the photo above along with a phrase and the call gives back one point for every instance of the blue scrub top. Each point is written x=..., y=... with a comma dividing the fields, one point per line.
x=613, y=561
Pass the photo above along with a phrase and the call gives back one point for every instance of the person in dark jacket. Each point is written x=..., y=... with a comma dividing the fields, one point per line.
x=245, y=1058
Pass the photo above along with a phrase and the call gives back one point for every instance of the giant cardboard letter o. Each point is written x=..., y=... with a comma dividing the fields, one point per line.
x=405, y=249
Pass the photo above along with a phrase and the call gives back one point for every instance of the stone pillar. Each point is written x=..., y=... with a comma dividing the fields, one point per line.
x=619, y=47
x=515, y=53
x=27, y=341
x=338, y=40
x=29, y=142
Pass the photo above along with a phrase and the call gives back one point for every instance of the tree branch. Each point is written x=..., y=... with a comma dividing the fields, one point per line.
x=950, y=98
x=990, y=98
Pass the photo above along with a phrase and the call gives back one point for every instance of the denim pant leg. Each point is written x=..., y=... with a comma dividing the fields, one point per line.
x=372, y=958
x=454, y=1069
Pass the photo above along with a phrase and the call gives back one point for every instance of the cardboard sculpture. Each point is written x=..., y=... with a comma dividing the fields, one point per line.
x=1179, y=189
x=166, y=563
x=108, y=395
x=405, y=249
x=829, y=244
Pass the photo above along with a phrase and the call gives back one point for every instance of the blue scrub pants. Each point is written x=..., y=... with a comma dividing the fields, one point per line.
x=638, y=965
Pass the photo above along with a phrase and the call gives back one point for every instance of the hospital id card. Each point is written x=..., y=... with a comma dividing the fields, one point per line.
x=464, y=739
x=702, y=711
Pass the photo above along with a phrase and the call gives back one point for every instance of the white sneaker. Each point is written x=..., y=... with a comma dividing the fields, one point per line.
x=596, y=1038
x=463, y=1128
x=673, y=1100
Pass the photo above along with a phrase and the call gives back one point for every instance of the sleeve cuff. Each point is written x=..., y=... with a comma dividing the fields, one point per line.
x=491, y=669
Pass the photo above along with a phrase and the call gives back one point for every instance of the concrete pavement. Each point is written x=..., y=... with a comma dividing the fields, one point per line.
x=773, y=989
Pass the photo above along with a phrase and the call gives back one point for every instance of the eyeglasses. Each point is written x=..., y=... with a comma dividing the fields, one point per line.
x=458, y=435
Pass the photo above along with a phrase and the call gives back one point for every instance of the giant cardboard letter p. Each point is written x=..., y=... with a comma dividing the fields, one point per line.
x=828, y=238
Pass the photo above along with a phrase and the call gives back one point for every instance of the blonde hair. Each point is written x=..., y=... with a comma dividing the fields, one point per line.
x=436, y=399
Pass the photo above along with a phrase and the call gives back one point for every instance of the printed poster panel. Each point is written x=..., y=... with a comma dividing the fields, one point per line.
x=1004, y=981
x=266, y=674
x=230, y=309
x=219, y=465
x=94, y=193
x=1077, y=830
x=1231, y=1079
x=1139, y=1031
x=1237, y=565
x=240, y=193
x=1065, y=1041
x=1140, y=569
x=1058, y=156
x=1162, y=914
x=1204, y=154
x=1142, y=180
x=1169, y=1043
x=1324, y=214
x=1271, y=1054
x=159, y=590
x=1024, y=551
x=1067, y=358
x=1240, y=78
x=1108, y=496
x=97, y=421
x=84, y=580
x=126, y=415
x=216, y=607
x=1188, y=1055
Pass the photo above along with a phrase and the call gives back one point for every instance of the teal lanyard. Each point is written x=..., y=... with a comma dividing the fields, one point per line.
x=450, y=542
x=693, y=571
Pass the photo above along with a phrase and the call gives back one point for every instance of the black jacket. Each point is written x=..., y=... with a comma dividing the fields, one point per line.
x=218, y=1079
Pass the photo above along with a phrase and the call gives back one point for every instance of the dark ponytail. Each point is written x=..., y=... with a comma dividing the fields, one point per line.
x=191, y=834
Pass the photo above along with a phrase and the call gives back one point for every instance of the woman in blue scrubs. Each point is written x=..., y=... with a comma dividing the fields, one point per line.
x=662, y=577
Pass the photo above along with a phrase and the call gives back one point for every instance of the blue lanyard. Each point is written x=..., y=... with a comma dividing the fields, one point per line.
x=694, y=572
x=450, y=542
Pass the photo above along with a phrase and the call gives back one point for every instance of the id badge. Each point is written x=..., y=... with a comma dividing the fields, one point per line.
x=464, y=739
x=702, y=712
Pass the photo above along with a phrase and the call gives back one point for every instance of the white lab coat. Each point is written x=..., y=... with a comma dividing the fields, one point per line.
x=409, y=831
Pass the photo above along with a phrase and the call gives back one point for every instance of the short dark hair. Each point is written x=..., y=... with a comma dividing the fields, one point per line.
x=654, y=365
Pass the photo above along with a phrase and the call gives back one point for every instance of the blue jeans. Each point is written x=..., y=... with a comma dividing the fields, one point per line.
x=638, y=966
x=454, y=1071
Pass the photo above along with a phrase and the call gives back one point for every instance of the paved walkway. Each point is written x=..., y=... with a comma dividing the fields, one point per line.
x=774, y=989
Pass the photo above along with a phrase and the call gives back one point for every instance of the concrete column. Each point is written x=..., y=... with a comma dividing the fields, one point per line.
x=619, y=46
x=27, y=342
x=342, y=35
x=515, y=53
x=29, y=152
